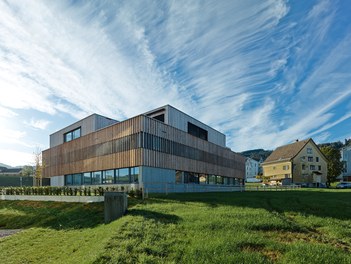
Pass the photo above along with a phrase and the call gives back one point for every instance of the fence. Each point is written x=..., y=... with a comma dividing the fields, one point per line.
x=273, y=188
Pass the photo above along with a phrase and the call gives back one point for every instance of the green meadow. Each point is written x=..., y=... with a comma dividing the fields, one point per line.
x=303, y=226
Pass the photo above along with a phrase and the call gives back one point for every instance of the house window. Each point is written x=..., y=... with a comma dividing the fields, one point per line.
x=312, y=167
x=72, y=135
x=317, y=159
x=319, y=167
x=303, y=158
x=309, y=150
x=303, y=166
x=310, y=159
x=286, y=167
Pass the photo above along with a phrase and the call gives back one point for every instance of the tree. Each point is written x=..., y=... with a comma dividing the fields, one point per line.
x=334, y=165
x=38, y=173
x=27, y=171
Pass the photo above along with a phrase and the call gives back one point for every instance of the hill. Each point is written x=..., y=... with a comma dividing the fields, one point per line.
x=257, y=154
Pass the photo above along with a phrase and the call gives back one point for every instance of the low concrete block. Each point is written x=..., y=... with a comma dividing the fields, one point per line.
x=116, y=204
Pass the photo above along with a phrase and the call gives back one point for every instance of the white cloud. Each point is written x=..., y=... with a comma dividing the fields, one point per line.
x=249, y=68
x=16, y=158
x=38, y=124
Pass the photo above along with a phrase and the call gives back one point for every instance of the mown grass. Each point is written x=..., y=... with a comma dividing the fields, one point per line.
x=305, y=226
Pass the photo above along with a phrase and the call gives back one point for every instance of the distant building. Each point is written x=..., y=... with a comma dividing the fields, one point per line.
x=346, y=159
x=161, y=150
x=251, y=170
x=301, y=162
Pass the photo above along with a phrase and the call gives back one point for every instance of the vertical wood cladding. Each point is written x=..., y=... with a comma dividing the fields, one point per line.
x=141, y=141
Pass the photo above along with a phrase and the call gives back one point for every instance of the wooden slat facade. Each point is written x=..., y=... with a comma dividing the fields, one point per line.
x=115, y=147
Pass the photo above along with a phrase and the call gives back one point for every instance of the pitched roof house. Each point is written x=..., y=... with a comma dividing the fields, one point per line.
x=301, y=162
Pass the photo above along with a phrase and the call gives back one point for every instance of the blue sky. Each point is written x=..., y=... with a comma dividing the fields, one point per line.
x=263, y=72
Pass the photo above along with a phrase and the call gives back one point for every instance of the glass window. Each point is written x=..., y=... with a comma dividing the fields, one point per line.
x=319, y=167
x=87, y=178
x=69, y=180
x=186, y=177
x=212, y=179
x=193, y=177
x=134, y=175
x=108, y=177
x=203, y=179
x=310, y=159
x=303, y=166
x=179, y=178
x=96, y=177
x=219, y=180
x=286, y=167
x=68, y=137
x=77, y=179
x=309, y=150
x=71, y=135
x=317, y=159
x=312, y=167
x=76, y=133
x=123, y=176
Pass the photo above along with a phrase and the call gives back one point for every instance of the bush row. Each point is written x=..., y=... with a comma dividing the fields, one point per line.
x=81, y=191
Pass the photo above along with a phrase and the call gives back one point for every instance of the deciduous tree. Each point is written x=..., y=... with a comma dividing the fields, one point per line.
x=334, y=165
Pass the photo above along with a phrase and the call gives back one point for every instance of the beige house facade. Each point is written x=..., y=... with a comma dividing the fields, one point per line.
x=301, y=162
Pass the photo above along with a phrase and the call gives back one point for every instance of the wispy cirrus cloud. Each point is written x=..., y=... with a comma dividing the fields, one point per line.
x=38, y=124
x=261, y=71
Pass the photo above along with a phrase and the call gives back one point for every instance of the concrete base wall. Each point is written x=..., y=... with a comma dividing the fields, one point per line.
x=71, y=199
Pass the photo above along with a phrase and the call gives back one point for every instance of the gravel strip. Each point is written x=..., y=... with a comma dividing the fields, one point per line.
x=8, y=232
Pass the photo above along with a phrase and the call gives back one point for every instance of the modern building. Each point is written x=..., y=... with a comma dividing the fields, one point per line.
x=161, y=149
x=346, y=159
x=251, y=170
x=301, y=162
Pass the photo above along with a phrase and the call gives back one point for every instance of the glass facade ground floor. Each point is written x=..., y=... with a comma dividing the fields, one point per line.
x=133, y=175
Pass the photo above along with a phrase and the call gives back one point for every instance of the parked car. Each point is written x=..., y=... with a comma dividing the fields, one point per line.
x=343, y=185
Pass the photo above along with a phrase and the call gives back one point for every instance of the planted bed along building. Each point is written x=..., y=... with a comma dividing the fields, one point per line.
x=161, y=150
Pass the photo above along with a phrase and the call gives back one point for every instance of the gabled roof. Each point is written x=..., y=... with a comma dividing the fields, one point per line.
x=287, y=152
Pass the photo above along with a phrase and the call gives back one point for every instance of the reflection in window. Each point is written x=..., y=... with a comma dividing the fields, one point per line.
x=77, y=179
x=212, y=179
x=71, y=135
x=96, y=177
x=179, y=178
x=87, y=178
x=108, y=177
x=123, y=176
x=134, y=175
x=68, y=180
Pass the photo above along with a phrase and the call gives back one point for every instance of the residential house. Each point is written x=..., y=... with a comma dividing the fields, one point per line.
x=301, y=162
x=161, y=150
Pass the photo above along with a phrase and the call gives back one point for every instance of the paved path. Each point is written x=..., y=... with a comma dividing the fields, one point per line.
x=8, y=232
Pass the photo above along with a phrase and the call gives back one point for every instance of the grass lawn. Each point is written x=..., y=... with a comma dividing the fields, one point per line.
x=304, y=226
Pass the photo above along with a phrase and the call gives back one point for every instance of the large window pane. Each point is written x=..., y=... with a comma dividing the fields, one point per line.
x=68, y=179
x=77, y=179
x=96, y=177
x=134, y=175
x=219, y=180
x=179, y=177
x=193, y=177
x=87, y=178
x=123, y=176
x=68, y=137
x=108, y=177
x=212, y=179
x=76, y=133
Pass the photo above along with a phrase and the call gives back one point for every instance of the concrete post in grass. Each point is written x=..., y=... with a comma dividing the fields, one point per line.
x=116, y=204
